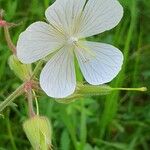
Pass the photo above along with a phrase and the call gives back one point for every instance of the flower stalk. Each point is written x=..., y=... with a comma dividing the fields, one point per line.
x=8, y=40
x=37, y=68
x=30, y=103
x=6, y=26
x=19, y=91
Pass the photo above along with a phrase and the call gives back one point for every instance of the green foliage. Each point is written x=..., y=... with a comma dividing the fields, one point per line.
x=120, y=121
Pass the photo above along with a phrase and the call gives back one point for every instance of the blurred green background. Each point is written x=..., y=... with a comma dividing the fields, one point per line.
x=119, y=121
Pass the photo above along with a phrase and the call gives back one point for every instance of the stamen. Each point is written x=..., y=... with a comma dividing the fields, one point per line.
x=89, y=54
x=72, y=40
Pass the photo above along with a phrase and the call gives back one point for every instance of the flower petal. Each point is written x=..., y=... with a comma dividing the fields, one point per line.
x=58, y=76
x=65, y=14
x=36, y=42
x=99, y=16
x=99, y=62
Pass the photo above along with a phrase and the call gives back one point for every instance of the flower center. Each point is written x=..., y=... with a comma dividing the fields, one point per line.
x=72, y=40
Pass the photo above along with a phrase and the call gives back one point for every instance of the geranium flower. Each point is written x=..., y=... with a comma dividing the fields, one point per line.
x=69, y=22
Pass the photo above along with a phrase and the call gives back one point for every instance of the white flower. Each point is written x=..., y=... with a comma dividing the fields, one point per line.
x=69, y=21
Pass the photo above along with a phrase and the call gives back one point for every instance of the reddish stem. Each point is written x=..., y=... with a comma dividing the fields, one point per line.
x=6, y=26
x=30, y=104
x=28, y=90
x=8, y=39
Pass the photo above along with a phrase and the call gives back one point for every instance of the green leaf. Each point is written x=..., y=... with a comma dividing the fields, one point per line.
x=65, y=140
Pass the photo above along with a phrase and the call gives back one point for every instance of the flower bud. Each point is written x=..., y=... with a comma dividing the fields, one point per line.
x=38, y=130
x=22, y=71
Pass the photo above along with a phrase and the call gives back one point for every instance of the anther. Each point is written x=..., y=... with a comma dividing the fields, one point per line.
x=72, y=40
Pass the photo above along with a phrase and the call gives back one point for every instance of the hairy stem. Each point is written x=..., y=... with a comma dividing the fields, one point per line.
x=12, y=97
x=8, y=40
x=37, y=68
x=30, y=103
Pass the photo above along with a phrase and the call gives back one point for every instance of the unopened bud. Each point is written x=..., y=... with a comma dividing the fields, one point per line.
x=22, y=71
x=38, y=130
